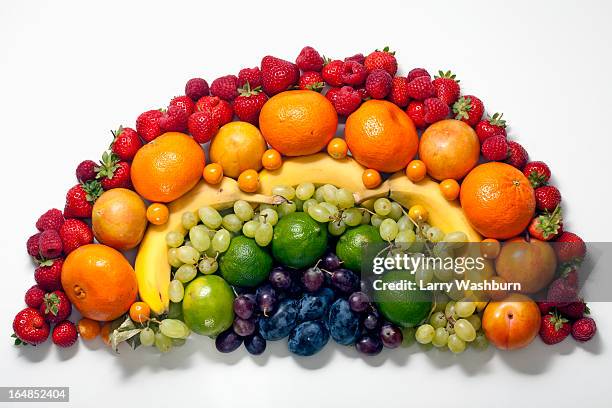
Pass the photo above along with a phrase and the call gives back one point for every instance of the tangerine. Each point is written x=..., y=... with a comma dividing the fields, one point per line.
x=238, y=146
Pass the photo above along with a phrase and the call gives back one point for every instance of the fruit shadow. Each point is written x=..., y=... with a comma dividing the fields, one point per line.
x=538, y=357
x=35, y=354
x=472, y=362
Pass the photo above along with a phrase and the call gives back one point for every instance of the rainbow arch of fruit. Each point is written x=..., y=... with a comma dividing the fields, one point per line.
x=314, y=294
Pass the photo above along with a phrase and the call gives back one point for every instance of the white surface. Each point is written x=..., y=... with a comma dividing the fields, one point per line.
x=70, y=71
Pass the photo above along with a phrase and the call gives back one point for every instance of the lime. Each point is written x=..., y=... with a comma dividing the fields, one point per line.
x=245, y=263
x=298, y=240
x=208, y=305
x=401, y=305
x=350, y=245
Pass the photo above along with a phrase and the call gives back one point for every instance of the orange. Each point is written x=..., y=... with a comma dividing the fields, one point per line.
x=140, y=312
x=238, y=146
x=381, y=136
x=248, y=181
x=298, y=123
x=271, y=159
x=157, y=214
x=450, y=149
x=337, y=148
x=105, y=332
x=450, y=189
x=99, y=282
x=213, y=173
x=168, y=167
x=416, y=170
x=88, y=329
x=371, y=178
x=498, y=200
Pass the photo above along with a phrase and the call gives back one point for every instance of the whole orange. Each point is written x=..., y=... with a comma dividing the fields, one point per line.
x=498, y=200
x=381, y=136
x=450, y=149
x=99, y=282
x=238, y=146
x=168, y=167
x=298, y=123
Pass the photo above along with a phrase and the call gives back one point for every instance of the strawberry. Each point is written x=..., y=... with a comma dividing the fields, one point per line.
x=55, y=307
x=547, y=226
x=384, y=59
x=378, y=83
x=574, y=310
x=416, y=112
x=353, y=73
x=562, y=292
x=34, y=296
x=447, y=87
x=49, y=275
x=50, y=244
x=360, y=58
x=184, y=102
x=311, y=80
x=434, y=110
x=345, y=100
x=517, y=155
x=196, y=88
x=174, y=119
x=495, y=148
x=547, y=198
x=554, y=329
x=147, y=125
x=80, y=199
x=417, y=72
x=32, y=245
x=570, y=248
x=537, y=172
x=225, y=87
x=278, y=75
x=64, y=334
x=86, y=171
x=248, y=104
x=220, y=110
x=113, y=173
x=51, y=220
x=469, y=109
x=332, y=72
x=250, y=75
x=546, y=307
x=75, y=233
x=309, y=60
x=421, y=88
x=584, y=329
x=126, y=143
x=399, y=92
x=202, y=126
x=491, y=126
x=30, y=327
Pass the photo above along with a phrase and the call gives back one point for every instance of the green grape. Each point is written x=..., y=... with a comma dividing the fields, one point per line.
x=408, y=336
x=163, y=342
x=457, y=238
x=388, y=229
x=319, y=213
x=189, y=220
x=198, y=236
x=465, y=308
x=185, y=273
x=329, y=194
x=455, y=344
x=263, y=235
x=455, y=293
x=208, y=266
x=434, y=234
x=308, y=203
x=174, y=329
x=424, y=333
x=318, y=195
x=232, y=223
x=176, y=291
x=304, y=191
x=480, y=342
x=287, y=192
x=174, y=239
x=365, y=218
x=210, y=252
x=345, y=198
x=440, y=337
x=405, y=224
x=268, y=216
x=449, y=310
x=210, y=217
x=243, y=210
x=333, y=210
x=397, y=211
x=221, y=240
x=376, y=220
x=264, y=206
x=443, y=274
x=438, y=320
x=423, y=276
x=286, y=208
x=474, y=321
x=336, y=228
x=147, y=337
x=405, y=237
x=299, y=204
x=465, y=330
x=352, y=217
x=450, y=328
x=418, y=245
x=249, y=228
x=173, y=258
x=188, y=255
x=382, y=207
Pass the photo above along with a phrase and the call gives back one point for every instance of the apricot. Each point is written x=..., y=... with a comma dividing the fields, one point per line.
x=512, y=323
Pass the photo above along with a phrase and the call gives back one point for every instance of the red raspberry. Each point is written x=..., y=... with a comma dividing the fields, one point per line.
x=49, y=275
x=332, y=72
x=64, y=334
x=33, y=246
x=75, y=233
x=345, y=100
x=202, y=126
x=517, y=155
x=399, y=92
x=311, y=80
x=417, y=72
x=378, y=83
x=196, y=88
x=50, y=244
x=495, y=148
x=353, y=73
x=174, y=119
x=416, y=112
x=574, y=310
x=584, y=329
x=250, y=75
x=435, y=110
x=86, y=171
x=225, y=87
x=309, y=60
x=360, y=58
x=56, y=306
x=51, y=220
x=34, y=296
x=421, y=88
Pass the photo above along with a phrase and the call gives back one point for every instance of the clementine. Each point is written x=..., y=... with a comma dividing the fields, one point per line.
x=238, y=146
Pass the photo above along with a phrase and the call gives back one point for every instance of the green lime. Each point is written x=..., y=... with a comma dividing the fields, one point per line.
x=350, y=245
x=208, y=305
x=298, y=240
x=401, y=305
x=245, y=263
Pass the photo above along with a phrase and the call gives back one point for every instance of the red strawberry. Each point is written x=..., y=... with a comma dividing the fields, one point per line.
x=570, y=248
x=202, y=126
x=55, y=307
x=547, y=198
x=174, y=119
x=311, y=80
x=546, y=307
x=537, y=172
x=417, y=72
x=357, y=57
x=421, y=88
x=353, y=73
x=332, y=72
x=584, y=329
x=547, y=226
x=378, y=83
x=34, y=296
x=49, y=275
x=574, y=310
x=554, y=329
x=517, y=155
x=32, y=245
x=225, y=87
x=435, y=110
x=75, y=233
x=51, y=220
x=80, y=199
x=562, y=292
x=278, y=75
x=309, y=60
x=50, y=244
x=492, y=126
x=86, y=171
x=184, y=102
x=469, y=109
x=248, y=104
x=495, y=148
x=250, y=75
x=126, y=143
x=147, y=125
x=346, y=100
x=220, y=110
x=416, y=112
x=64, y=334
x=113, y=173
x=447, y=87
x=384, y=59
x=196, y=88
x=399, y=92
x=30, y=327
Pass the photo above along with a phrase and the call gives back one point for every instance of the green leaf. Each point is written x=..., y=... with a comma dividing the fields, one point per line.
x=117, y=337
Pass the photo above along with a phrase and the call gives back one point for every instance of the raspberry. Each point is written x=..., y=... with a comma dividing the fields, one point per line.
x=345, y=100
x=250, y=75
x=421, y=88
x=86, y=171
x=51, y=220
x=360, y=58
x=34, y=296
x=435, y=110
x=417, y=72
x=378, y=83
x=225, y=87
x=196, y=88
x=584, y=329
x=309, y=60
x=353, y=73
x=495, y=148
x=50, y=244
x=33, y=246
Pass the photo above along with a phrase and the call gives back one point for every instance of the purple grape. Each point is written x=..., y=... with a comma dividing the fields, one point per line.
x=345, y=280
x=371, y=320
x=280, y=278
x=266, y=299
x=358, y=301
x=244, y=327
x=255, y=344
x=313, y=279
x=228, y=341
x=369, y=345
x=244, y=305
x=330, y=262
x=391, y=336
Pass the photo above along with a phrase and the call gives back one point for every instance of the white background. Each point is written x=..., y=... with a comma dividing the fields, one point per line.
x=71, y=71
